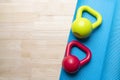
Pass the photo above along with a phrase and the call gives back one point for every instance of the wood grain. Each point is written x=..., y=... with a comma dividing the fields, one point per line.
x=33, y=36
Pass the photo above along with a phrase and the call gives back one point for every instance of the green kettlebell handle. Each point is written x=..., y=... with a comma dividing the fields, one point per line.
x=92, y=12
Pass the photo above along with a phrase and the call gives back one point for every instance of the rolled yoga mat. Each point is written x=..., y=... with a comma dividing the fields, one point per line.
x=97, y=43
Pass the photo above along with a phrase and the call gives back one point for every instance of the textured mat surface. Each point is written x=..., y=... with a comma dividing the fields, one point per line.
x=103, y=42
x=111, y=67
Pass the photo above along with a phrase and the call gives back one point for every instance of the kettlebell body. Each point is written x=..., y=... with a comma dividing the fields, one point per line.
x=71, y=64
x=82, y=28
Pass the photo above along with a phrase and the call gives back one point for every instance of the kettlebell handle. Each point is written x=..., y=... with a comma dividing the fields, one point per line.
x=92, y=12
x=80, y=46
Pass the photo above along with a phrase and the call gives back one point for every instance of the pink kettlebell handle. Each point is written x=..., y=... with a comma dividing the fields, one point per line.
x=82, y=47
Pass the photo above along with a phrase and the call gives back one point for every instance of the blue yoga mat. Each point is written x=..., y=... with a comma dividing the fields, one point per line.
x=111, y=67
x=104, y=44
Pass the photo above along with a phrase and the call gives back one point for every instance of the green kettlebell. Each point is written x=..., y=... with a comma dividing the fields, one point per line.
x=82, y=27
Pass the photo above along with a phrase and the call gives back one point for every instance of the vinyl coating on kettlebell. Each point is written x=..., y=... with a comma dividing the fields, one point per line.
x=71, y=63
x=82, y=27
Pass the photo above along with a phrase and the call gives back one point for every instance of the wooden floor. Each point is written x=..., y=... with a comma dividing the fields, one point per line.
x=33, y=36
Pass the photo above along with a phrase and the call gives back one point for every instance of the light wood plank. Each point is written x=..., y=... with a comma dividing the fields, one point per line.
x=33, y=37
